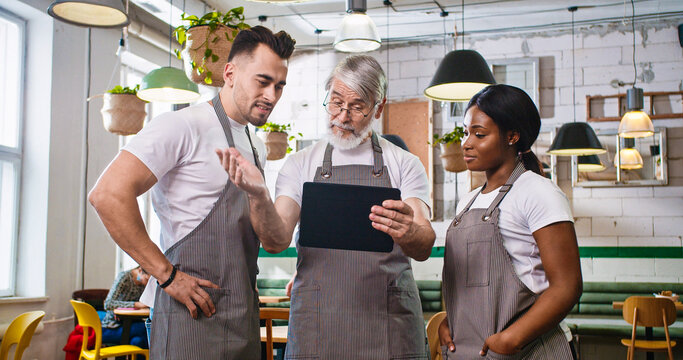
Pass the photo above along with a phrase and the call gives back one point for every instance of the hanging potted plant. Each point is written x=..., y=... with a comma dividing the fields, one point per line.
x=207, y=41
x=451, y=152
x=276, y=139
x=123, y=113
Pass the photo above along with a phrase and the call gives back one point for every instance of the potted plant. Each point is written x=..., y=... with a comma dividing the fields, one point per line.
x=123, y=112
x=276, y=139
x=451, y=152
x=208, y=40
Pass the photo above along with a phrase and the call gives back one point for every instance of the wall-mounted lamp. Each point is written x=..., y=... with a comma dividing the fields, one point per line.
x=90, y=13
x=357, y=32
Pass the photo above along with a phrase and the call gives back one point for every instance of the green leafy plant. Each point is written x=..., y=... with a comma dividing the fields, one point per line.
x=448, y=138
x=118, y=89
x=233, y=19
x=281, y=128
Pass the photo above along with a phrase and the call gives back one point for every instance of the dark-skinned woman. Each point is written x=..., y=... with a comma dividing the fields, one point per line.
x=511, y=269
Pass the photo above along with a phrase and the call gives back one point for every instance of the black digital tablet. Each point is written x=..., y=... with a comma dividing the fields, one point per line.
x=336, y=216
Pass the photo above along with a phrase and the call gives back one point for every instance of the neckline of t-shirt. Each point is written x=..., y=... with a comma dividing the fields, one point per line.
x=233, y=123
x=497, y=190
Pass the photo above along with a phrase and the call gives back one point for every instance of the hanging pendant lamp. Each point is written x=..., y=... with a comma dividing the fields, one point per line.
x=575, y=138
x=357, y=32
x=460, y=75
x=635, y=122
x=90, y=13
x=590, y=163
x=168, y=84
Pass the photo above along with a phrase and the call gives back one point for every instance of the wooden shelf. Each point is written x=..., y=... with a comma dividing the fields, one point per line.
x=620, y=100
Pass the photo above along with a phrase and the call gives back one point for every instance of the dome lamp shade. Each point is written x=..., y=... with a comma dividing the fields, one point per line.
x=629, y=159
x=90, y=13
x=168, y=84
x=590, y=163
x=635, y=123
x=357, y=33
x=460, y=75
x=576, y=138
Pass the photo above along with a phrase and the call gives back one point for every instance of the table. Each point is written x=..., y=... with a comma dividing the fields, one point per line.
x=272, y=299
x=127, y=315
x=279, y=334
x=619, y=305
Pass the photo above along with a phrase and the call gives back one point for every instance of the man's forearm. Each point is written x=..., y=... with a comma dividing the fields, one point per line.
x=267, y=223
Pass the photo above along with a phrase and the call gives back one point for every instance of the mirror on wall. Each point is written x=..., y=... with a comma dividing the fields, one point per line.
x=643, y=162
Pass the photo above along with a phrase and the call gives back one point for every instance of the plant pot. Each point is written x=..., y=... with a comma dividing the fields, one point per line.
x=452, y=157
x=276, y=144
x=123, y=114
x=195, y=46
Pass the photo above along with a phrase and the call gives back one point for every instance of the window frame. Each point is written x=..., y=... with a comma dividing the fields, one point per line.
x=14, y=155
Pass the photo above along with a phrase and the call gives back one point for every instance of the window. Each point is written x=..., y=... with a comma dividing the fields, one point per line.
x=11, y=76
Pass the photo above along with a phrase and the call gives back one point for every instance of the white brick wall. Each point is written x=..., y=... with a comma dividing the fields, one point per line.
x=604, y=217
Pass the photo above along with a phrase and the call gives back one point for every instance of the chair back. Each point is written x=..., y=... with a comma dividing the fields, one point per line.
x=651, y=311
x=88, y=319
x=433, y=335
x=20, y=332
x=269, y=314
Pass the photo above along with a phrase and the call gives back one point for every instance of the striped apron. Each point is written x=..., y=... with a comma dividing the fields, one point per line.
x=222, y=249
x=354, y=304
x=482, y=292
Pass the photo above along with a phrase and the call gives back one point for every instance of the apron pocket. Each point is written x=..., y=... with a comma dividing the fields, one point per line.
x=478, y=263
x=304, y=324
x=526, y=350
x=443, y=350
x=406, y=324
x=201, y=338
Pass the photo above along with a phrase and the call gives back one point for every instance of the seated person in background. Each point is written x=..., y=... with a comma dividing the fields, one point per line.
x=125, y=292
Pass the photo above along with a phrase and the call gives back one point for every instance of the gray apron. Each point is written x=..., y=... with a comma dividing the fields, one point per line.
x=482, y=292
x=354, y=304
x=222, y=249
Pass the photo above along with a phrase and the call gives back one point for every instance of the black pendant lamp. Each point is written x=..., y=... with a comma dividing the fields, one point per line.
x=575, y=138
x=460, y=75
x=590, y=163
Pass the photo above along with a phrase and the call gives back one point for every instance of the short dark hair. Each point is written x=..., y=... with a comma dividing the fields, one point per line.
x=247, y=40
x=512, y=109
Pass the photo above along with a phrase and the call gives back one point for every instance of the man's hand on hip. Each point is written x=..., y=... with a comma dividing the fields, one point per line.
x=188, y=290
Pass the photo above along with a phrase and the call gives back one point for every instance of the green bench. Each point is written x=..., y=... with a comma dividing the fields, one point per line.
x=429, y=290
x=595, y=316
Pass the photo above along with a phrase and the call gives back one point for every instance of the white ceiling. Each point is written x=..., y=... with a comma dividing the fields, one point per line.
x=420, y=19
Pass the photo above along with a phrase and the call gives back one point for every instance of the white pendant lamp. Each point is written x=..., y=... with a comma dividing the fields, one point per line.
x=357, y=32
x=168, y=84
x=90, y=13
x=635, y=122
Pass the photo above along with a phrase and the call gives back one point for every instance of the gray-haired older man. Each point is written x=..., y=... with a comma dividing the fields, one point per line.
x=349, y=304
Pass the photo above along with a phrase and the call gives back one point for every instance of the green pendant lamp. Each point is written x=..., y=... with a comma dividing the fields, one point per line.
x=635, y=122
x=90, y=13
x=460, y=75
x=168, y=84
x=590, y=163
x=575, y=138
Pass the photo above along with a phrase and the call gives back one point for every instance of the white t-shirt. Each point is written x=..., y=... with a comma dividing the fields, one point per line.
x=532, y=203
x=178, y=148
x=405, y=169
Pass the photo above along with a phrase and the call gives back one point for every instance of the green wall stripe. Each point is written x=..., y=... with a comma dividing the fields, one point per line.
x=666, y=252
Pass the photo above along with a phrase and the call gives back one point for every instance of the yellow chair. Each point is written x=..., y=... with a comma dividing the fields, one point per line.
x=20, y=332
x=649, y=312
x=88, y=319
x=433, y=335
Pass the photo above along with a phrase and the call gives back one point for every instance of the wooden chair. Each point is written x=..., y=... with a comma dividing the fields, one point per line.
x=88, y=319
x=270, y=314
x=433, y=335
x=649, y=312
x=20, y=331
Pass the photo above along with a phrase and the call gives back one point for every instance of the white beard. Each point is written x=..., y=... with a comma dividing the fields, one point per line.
x=355, y=139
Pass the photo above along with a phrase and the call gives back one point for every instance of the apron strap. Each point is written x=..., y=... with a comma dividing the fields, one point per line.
x=466, y=208
x=225, y=123
x=519, y=170
x=378, y=161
